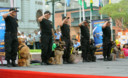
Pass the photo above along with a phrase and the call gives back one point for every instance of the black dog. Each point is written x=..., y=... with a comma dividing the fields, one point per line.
x=91, y=55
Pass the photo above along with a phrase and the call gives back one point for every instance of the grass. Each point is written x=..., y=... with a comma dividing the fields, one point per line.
x=35, y=50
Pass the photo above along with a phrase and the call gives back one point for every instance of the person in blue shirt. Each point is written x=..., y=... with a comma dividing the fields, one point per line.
x=76, y=44
x=57, y=35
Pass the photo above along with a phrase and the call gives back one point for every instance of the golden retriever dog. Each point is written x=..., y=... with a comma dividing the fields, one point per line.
x=59, y=51
x=24, y=53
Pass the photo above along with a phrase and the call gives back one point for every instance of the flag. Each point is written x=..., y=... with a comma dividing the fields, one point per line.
x=68, y=2
x=91, y=5
x=109, y=1
x=85, y=5
x=100, y=4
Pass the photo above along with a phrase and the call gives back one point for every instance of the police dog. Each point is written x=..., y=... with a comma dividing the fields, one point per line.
x=24, y=53
x=114, y=51
x=58, y=53
x=92, y=49
x=74, y=56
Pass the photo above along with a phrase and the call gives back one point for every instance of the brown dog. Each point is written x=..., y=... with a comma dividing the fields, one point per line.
x=24, y=53
x=74, y=56
x=59, y=51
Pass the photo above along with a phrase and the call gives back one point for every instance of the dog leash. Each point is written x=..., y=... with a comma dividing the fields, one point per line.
x=19, y=51
x=72, y=50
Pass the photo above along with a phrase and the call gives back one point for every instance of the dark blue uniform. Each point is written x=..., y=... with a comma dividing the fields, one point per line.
x=11, y=41
x=65, y=29
x=85, y=42
x=46, y=39
x=106, y=42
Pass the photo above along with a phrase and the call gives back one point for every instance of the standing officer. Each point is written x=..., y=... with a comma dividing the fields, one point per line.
x=46, y=37
x=84, y=39
x=11, y=41
x=65, y=29
x=106, y=41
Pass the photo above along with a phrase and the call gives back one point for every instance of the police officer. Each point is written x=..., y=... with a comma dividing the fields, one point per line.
x=84, y=39
x=106, y=41
x=46, y=37
x=65, y=30
x=11, y=41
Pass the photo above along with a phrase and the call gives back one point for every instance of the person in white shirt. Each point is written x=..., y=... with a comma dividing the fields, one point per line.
x=30, y=41
x=24, y=37
x=37, y=40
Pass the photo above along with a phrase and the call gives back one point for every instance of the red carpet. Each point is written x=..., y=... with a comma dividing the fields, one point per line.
x=5, y=73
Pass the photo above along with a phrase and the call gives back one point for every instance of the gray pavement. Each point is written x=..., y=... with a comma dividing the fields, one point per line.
x=106, y=68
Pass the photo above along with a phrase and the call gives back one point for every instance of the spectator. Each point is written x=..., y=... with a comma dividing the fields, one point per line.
x=125, y=50
x=30, y=41
x=24, y=37
x=119, y=50
x=78, y=37
x=76, y=44
x=19, y=34
x=36, y=40
x=57, y=35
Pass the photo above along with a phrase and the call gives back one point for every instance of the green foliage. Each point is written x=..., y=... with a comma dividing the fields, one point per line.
x=117, y=11
x=35, y=50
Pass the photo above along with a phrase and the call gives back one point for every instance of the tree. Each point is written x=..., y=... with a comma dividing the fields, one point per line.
x=117, y=11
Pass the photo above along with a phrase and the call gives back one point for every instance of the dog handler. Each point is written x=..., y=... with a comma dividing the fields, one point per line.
x=106, y=41
x=84, y=39
x=65, y=29
x=11, y=41
x=46, y=37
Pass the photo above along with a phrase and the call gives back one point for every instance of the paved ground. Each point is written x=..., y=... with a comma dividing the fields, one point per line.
x=111, y=68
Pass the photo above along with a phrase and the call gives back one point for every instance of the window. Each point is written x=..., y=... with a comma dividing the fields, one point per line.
x=1, y=0
x=4, y=1
x=75, y=17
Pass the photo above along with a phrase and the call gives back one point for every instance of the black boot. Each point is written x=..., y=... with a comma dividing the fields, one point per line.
x=109, y=58
x=47, y=63
x=8, y=63
x=13, y=63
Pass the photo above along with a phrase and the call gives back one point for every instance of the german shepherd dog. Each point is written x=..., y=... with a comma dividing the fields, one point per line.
x=58, y=54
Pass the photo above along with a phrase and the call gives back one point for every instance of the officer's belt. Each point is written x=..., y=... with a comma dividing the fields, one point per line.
x=10, y=32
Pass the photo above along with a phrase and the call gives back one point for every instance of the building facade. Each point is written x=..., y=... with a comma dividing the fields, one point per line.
x=74, y=13
x=29, y=11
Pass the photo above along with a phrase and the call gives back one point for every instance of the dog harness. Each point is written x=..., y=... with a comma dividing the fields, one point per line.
x=19, y=51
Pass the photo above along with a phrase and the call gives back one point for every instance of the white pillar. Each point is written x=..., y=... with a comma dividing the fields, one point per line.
x=15, y=3
x=83, y=10
x=111, y=28
x=43, y=6
x=80, y=15
x=65, y=8
x=12, y=3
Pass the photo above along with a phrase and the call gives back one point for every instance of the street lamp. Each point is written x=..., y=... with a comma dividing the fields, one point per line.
x=53, y=9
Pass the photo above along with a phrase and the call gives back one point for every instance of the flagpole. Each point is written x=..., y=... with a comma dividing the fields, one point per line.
x=111, y=24
x=65, y=8
x=83, y=10
x=43, y=6
x=12, y=3
x=80, y=15
x=101, y=16
x=90, y=23
x=111, y=29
